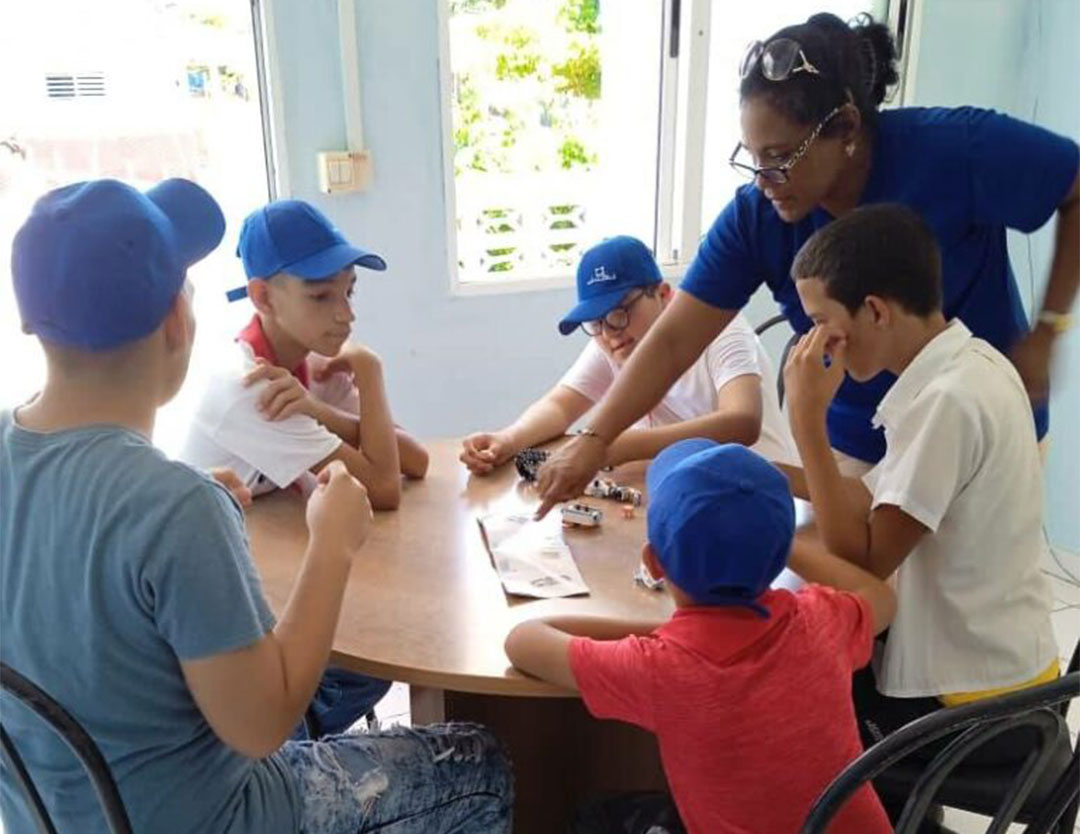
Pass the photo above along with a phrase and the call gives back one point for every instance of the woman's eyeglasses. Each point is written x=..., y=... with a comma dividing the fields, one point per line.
x=778, y=59
x=779, y=174
x=617, y=319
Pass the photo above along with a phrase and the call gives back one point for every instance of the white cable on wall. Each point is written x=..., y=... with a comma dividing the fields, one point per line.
x=350, y=74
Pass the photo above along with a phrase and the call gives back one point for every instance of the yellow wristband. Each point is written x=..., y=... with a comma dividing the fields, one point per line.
x=1058, y=322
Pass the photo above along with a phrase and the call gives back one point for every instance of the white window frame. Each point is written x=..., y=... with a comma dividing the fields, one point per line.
x=268, y=70
x=904, y=18
x=681, y=149
x=683, y=107
x=684, y=87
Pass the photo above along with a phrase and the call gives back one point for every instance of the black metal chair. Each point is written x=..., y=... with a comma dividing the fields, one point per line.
x=78, y=741
x=1040, y=791
x=780, y=318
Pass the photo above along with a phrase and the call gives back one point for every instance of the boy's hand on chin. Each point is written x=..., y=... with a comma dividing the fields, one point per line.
x=814, y=372
x=354, y=359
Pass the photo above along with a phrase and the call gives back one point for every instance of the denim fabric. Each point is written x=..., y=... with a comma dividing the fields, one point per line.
x=343, y=698
x=440, y=779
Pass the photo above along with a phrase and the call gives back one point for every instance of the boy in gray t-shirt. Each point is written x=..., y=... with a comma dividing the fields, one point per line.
x=126, y=587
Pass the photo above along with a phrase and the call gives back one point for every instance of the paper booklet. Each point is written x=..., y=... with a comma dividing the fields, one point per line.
x=531, y=558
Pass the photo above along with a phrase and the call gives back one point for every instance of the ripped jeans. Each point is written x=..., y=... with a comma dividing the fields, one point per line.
x=439, y=779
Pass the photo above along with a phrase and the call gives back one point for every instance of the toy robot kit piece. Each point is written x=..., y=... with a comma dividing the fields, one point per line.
x=604, y=488
x=528, y=462
x=582, y=515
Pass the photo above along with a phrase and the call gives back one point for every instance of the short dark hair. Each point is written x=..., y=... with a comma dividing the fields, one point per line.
x=885, y=250
x=856, y=61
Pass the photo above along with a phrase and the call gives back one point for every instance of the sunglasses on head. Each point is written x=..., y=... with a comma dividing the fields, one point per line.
x=779, y=59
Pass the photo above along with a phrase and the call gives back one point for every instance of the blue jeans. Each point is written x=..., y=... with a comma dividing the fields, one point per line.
x=342, y=699
x=440, y=779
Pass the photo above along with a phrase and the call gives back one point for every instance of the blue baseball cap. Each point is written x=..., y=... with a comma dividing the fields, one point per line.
x=98, y=264
x=295, y=237
x=720, y=520
x=605, y=274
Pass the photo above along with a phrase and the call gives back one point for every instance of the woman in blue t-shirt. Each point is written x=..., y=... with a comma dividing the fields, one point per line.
x=817, y=147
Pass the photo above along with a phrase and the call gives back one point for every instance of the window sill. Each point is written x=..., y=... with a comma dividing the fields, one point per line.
x=497, y=286
x=671, y=272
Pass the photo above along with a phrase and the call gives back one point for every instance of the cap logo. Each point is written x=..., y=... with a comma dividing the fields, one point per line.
x=601, y=275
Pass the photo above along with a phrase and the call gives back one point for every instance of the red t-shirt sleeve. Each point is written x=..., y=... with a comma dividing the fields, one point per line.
x=615, y=678
x=842, y=620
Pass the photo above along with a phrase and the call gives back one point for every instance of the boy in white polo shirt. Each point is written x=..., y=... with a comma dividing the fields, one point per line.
x=296, y=395
x=954, y=509
x=727, y=394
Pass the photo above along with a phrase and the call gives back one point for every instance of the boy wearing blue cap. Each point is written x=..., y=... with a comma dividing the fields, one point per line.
x=954, y=510
x=727, y=394
x=740, y=672
x=126, y=587
x=298, y=395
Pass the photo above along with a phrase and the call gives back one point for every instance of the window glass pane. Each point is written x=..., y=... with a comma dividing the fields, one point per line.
x=137, y=90
x=731, y=32
x=555, y=109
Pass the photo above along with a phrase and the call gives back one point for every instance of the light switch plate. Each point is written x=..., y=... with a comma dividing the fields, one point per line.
x=342, y=171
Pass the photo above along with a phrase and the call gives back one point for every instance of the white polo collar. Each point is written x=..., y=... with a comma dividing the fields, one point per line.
x=923, y=368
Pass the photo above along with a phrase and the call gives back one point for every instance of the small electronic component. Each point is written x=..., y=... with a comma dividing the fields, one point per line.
x=528, y=461
x=582, y=515
x=605, y=488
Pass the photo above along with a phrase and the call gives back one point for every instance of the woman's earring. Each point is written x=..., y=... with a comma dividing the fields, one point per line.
x=849, y=149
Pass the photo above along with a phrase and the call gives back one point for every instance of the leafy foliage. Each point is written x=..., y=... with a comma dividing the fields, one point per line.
x=581, y=16
x=580, y=73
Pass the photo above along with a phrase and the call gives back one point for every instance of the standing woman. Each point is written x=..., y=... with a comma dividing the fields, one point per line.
x=816, y=146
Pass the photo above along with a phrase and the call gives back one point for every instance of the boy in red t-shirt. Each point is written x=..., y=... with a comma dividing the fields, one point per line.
x=747, y=689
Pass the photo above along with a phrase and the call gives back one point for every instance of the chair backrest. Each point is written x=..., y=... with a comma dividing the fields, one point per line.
x=1074, y=666
x=78, y=741
x=768, y=324
x=980, y=721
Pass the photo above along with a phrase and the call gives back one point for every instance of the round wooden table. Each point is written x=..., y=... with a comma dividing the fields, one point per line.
x=424, y=606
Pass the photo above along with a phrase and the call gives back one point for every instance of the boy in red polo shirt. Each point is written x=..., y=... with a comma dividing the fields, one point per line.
x=747, y=689
x=297, y=395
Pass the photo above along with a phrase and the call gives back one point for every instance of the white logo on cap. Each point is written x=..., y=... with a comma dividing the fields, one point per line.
x=600, y=275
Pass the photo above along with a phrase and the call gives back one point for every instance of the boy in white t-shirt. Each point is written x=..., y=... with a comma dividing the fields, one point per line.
x=295, y=395
x=954, y=509
x=727, y=395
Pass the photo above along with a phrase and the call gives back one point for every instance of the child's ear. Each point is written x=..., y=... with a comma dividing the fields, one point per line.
x=259, y=293
x=664, y=291
x=652, y=564
x=880, y=311
x=179, y=322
